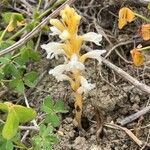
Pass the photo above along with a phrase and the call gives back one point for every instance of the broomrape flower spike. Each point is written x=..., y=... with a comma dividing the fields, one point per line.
x=66, y=28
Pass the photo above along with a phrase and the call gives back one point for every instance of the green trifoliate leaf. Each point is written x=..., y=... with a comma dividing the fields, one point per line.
x=46, y=145
x=46, y=109
x=5, y=44
x=8, y=16
x=24, y=114
x=52, y=139
x=4, y=60
x=45, y=130
x=10, y=69
x=19, y=61
x=59, y=107
x=11, y=125
x=48, y=105
x=42, y=129
x=53, y=119
x=48, y=102
x=30, y=78
x=28, y=54
x=18, y=17
x=17, y=85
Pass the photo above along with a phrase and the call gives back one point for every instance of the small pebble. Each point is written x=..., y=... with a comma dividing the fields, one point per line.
x=60, y=133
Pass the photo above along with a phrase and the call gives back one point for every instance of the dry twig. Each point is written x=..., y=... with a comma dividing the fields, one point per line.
x=135, y=82
x=127, y=131
x=118, y=45
x=28, y=128
x=146, y=143
x=134, y=116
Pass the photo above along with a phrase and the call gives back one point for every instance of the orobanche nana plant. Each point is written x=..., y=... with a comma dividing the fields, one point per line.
x=70, y=46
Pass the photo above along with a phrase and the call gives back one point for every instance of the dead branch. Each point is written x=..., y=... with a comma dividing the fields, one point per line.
x=134, y=116
x=127, y=131
x=118, y=45
x=28, y=128
x=135, y=82
x=35, y=30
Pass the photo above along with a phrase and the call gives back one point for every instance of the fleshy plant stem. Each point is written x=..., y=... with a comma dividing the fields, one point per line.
x=78, y=108
x=39, y=4
x=142, y=17
x=145, y=48
x=78, y=97
x=3, y=34
x=18, y=33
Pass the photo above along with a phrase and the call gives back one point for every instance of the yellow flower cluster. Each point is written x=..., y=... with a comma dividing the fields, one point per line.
x=126, y=15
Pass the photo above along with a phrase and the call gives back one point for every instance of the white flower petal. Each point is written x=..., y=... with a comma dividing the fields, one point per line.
x=62, y=77
x=55, y=31
x=53, y=49
x=92, y=37
x=64, y=35
x=74, y=64
x=95, y=54
x=85, y=86
x=57, y=72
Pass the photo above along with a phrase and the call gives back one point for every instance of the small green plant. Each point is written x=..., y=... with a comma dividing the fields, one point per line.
x=46, y=137
x=52, y=109
x=13, y=71
x=13, y=116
